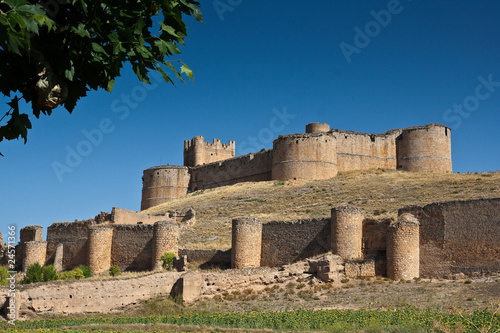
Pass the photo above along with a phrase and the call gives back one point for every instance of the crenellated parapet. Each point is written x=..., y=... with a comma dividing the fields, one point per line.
x=198, y=152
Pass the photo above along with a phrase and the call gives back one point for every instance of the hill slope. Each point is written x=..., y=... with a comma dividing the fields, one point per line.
x=379, y=193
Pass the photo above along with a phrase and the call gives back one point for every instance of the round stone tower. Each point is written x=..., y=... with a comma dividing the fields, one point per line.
x=99, y=242
x=317, y=128
x=305, y=156
x=165, y=239
x=403, y=248
x=34, y=252
x=164, y=183
x=347, y=232
x=246, y=243
x=424, y=149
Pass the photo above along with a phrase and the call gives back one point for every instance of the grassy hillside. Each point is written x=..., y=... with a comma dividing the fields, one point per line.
x=379, y=193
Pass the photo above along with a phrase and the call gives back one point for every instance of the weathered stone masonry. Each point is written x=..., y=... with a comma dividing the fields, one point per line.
x=317, y=154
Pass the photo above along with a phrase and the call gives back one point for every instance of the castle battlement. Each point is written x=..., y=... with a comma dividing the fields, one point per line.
x=319, y=153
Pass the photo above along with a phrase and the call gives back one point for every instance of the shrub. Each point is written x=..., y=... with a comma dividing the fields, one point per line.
x=167, y=260
x=115, y=270
x=344, y=280
x=33, y=274
x=75, y=273
x=4, y=275
x=467, y=281
x=49, y=273
x=86, y=271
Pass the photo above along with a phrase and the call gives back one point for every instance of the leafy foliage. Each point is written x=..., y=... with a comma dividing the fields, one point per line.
x=37, y=273
x=49, y=273
x=115, y=270
x=54, y=55
x=4, y=275
x=87, y=272
x=167, y=260
x=75, y=273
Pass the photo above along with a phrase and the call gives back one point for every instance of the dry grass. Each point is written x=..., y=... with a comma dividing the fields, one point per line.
x=379, y=193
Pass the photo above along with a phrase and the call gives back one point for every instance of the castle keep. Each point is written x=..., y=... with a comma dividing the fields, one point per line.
x=319, y=153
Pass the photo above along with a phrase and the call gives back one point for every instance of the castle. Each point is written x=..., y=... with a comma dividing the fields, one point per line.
x=319, y=153
x=453, y=239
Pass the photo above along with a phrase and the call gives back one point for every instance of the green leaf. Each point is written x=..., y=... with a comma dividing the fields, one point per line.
x=70, y=73
x=187, y=70
x=98, y=48
x=16, y=3
x=81, y=31
x=110, y=86
x=168, y=29
x=165, y=76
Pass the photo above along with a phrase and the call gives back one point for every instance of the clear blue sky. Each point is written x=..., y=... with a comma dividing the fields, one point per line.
x=414, y=62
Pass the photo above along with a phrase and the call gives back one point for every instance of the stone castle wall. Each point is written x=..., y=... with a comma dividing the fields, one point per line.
x=164, y=183
x=284, y=242
x=132, y=246
x=317, y=154
x=31, y=233
x=347, y=232
x=246, y=243
x=424, y=149
x=198, y=152
x=74, y=237
x=251, y=167
x=403, y=248
x=458, y=237
x=361, y=151
x=125, y=216
x=305, y=156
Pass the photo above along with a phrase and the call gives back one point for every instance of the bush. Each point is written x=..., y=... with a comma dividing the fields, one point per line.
x=4, y=275
x=114, y=270
x=87, y=272
x=33, y=274
x=167, y=260
x=75, y=273
x=49, y=273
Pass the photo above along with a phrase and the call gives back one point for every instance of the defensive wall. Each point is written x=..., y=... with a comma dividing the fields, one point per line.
x=320, y=153
x=438, y=240
x=458, y=237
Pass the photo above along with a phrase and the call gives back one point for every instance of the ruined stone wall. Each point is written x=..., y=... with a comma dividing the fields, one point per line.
x=374, y=243
x=361, y=151
x=198, y=152
x=347, y=232
x=165, y=240
x=31, y=233
x=458, y=237
x=162, y=184
x=403, y=248
x=246, y=243
x=317, y=128
x=285, y=242
x=246, y=168
x=425, y=149
x=305, y=156
x=84, y=296
x=73, y=236
x=125, y=216
x=132, y=247
x=99, y=246
x=207, y=257
x=34, y=252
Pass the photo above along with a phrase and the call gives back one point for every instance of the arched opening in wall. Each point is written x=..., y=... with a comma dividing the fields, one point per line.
x=297, y=141
x=372, y=137
x=446, y=132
